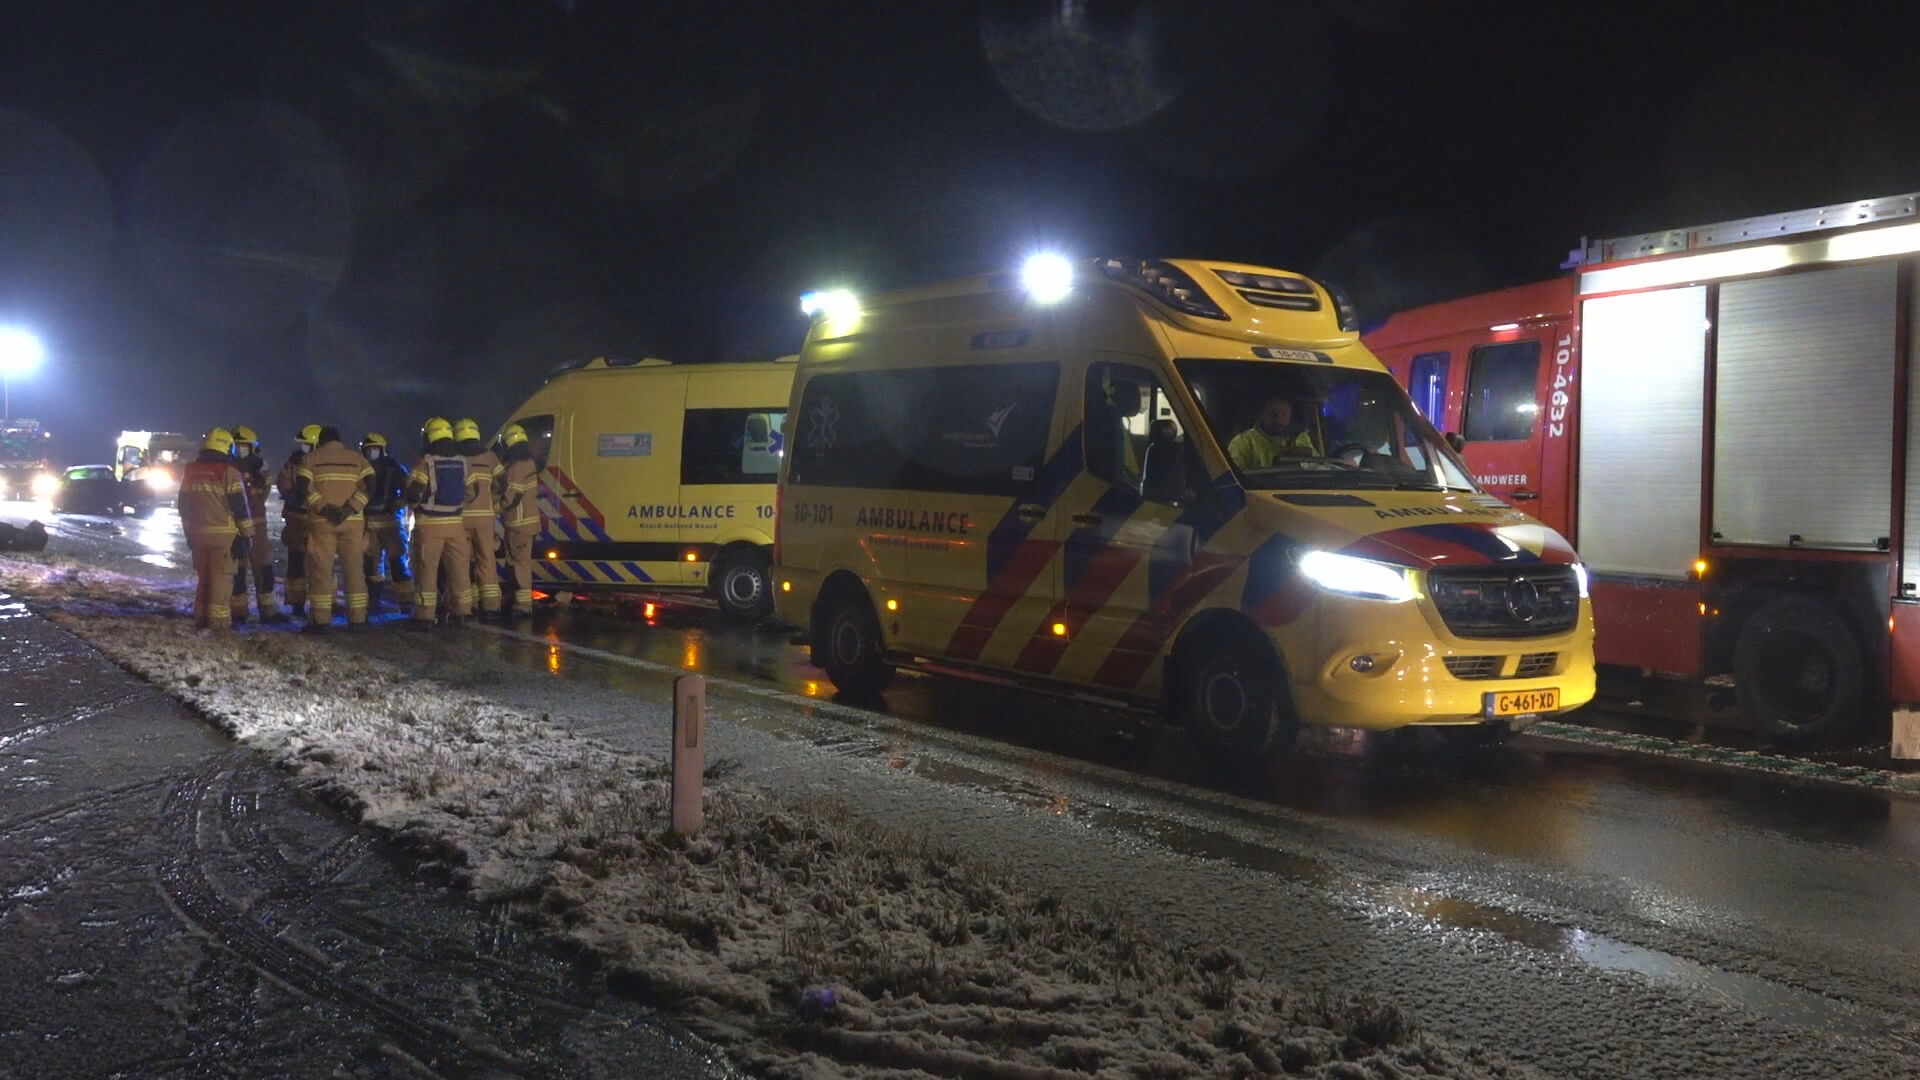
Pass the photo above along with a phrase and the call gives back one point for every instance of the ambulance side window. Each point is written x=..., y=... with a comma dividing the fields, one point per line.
x=539, y=431
x=731, y=446
x=1501, y=392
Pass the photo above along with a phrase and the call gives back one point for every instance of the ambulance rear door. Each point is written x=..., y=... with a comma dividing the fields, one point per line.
x=622, y=495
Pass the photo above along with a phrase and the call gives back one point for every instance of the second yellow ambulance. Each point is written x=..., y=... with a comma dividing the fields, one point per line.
x=1180, y=484
x=658, y=477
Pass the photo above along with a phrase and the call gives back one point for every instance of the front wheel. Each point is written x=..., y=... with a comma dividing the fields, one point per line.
x=743, y=586
x=848, y=646
x=1229, y=696
x=144, y=510
x=1798, y=672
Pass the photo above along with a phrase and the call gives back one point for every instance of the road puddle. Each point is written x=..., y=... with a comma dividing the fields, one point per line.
x=1774, y=1000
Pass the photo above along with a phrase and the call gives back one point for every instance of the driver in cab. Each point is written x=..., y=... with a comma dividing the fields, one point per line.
x=1271, y=438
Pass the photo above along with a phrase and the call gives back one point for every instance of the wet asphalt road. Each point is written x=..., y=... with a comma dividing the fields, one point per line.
x=1596, y=913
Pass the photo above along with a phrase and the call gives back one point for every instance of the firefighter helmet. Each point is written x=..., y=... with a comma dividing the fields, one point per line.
x=465, y=429
x=309, y=435
x=374, y=438
x=219, y=440
x=513, y=435
x=435, y=429
x=244, y=434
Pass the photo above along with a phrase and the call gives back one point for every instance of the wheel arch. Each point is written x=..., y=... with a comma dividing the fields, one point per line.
x=1218, y=621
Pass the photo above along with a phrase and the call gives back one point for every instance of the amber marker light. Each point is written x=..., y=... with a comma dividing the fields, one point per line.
x=893, y=605
x=1059, y=629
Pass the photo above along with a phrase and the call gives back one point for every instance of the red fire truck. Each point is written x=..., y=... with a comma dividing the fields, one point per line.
x=1718, y=417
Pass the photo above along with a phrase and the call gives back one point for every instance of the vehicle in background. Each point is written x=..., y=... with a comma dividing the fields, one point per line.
x=26, y=462
x=659, y=478
x=151, y=462
x=1722, y=418
x=1047, y=480
x=94, y=489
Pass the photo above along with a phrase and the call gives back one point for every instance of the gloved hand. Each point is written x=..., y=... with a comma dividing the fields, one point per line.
x=241, y=547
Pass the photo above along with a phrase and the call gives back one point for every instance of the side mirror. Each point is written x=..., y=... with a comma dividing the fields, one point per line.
x=1454, y=440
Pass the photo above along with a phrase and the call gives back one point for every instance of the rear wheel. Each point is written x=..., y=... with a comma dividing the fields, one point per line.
x=743, y=585
x=848, y=646
x=1228, y=692
x=1799, y=672
x=143, y=510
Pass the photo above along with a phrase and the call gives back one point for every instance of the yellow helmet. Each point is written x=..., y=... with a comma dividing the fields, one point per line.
x=466, y=429
x=219, y=440
x=374, y=438
x=513, y=435
x=244, y=434
x=309, y=435
x=435, y=429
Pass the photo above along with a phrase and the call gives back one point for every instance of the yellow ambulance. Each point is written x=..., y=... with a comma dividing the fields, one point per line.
x=1178, y=484
x=659, y=477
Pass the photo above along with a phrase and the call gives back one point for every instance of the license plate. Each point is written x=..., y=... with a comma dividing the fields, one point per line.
x=1522, y=702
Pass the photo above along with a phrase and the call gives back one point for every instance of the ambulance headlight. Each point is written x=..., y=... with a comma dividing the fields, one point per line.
x=45, y=485
x=1357, y=577
x=832, y=305
x=1047, y=277
x=1580, y=578
x=159, y=482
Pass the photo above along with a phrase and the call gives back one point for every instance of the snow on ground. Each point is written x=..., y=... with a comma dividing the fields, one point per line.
x=811, y=943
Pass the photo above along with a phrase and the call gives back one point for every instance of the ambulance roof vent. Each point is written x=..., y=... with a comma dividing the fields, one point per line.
x=628, y=361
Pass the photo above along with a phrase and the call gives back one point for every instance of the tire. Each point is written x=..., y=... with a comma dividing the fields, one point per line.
x=1229, y=694
x=1799, y=672
x=144, y=510
x=848, y=646
x=743, y=585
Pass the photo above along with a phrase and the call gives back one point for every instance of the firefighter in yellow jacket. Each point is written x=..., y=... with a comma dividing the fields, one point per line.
x=293, y=519
x=335, y=477
x=482, y=497
x=520, y=514
x=213, y=511
x=259, y=563
x=437, y=491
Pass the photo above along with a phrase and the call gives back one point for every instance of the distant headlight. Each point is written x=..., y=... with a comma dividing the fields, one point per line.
x=45, y=485
x=1356, y=577
x=159, y=482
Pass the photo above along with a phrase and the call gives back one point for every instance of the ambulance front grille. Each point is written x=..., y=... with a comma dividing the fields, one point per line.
x=1473, y=667
x=1523, y=601
x=1535, y=665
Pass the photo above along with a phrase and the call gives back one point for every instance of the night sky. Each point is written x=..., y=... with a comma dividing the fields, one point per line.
x=359, y=213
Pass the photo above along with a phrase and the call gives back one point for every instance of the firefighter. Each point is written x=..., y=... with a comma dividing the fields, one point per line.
x=437, y=493
x=293, y=519
x=335, y=477
x=253, y=471
x=386, y=524
x=520, y=515
x=482, y=497
x=214, y=512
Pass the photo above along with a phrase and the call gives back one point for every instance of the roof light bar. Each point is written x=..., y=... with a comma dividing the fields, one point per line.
x=1046, y=277
x=1169, y=284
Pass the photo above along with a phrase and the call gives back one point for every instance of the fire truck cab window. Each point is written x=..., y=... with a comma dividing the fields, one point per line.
x=1502, y=383
x=1427, y=384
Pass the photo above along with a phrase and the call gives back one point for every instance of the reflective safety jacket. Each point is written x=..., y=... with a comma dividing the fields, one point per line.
x=1255, y=449
x=336, y=475
x=213, y=499
x=387, y=491
x=519, y=506
x=438, y=488
x=481, y=498
x=293, y=498
x=253, y=473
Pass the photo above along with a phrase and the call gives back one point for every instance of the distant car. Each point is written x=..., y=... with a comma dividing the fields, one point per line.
x=93, y=489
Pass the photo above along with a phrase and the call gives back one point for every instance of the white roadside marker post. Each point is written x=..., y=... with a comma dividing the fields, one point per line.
x=689, y=751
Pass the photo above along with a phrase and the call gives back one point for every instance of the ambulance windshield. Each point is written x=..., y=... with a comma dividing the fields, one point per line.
x=1294, y=425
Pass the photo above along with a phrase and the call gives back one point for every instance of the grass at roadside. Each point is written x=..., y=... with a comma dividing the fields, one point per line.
x=804, y=938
